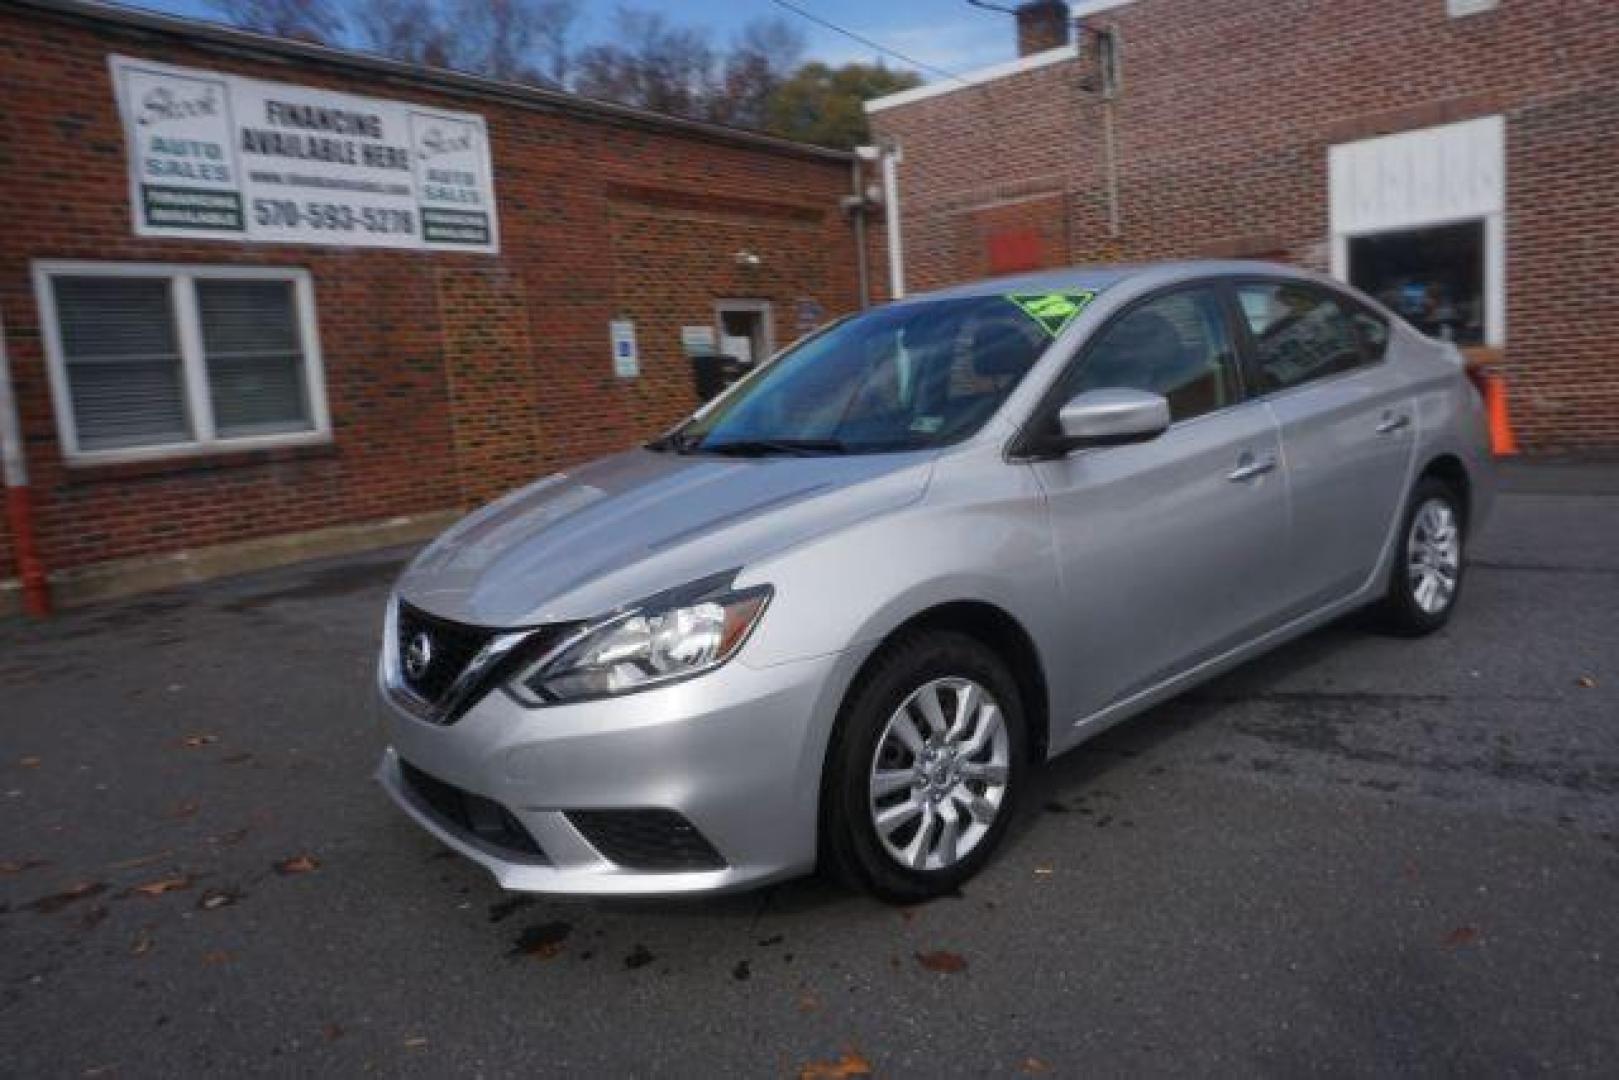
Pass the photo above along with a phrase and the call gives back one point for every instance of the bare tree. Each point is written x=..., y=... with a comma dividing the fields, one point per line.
x=653, y=64
x=524, y=40
x=763, y=56
x=302, y=20
x=408, y=30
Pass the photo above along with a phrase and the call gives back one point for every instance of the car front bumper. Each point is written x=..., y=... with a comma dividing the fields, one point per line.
x=736, y=752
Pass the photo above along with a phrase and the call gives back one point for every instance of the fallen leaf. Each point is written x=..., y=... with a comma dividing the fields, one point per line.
x=332, y=1032
x=217, y=898
x=191, y=742
x=1033, y=1066
x=945, y=963
x=850, y=1064
x=143, y=944
x=416, y=1041
x=49, y=905
x=1462, y=935
x=164, y=885
x=541, y=942
x=29, y=762
x=141, y=860
x=216, y=956
x=808, y=1003
x=298, y=864
x=1584, y=682
x=17, y=866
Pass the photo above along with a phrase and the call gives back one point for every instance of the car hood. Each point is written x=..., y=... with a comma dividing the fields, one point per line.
x=578, y=544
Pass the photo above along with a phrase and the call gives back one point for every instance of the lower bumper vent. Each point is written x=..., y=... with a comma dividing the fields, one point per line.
x=655, y=841
x=484, y=819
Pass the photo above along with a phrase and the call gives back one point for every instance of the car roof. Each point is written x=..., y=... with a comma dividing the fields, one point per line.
x=1099, y=278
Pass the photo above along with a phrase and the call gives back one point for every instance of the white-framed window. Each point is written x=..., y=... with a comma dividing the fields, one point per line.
x=1418, y=220
x=746, y=332
x=152, y=360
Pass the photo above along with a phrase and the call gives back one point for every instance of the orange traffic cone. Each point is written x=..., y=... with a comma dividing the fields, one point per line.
x=1502, y=442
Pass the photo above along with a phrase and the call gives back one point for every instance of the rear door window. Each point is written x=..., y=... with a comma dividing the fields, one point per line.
x=1299, y=333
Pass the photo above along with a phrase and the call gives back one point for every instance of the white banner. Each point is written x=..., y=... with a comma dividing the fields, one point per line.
x=228, y=158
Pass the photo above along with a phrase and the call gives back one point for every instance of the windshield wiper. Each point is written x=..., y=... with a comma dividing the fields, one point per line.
x=763, y=447
x=678, y=441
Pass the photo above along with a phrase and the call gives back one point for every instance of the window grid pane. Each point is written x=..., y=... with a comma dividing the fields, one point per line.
x=122, y=361
x=256, y=379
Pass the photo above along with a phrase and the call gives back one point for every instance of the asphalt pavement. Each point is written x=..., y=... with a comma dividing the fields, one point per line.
x=1356, y=856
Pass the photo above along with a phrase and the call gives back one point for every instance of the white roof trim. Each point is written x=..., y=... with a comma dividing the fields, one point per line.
x=974, y=78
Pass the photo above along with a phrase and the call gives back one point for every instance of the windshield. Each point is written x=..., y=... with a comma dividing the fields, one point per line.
x=904, y=377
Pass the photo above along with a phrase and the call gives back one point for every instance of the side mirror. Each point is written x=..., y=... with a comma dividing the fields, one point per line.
x=1112, y=417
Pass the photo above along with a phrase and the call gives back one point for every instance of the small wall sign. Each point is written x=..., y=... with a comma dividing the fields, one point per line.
x=626, y=359
x=697, y=340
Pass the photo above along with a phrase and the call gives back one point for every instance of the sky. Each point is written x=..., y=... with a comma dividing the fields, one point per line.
x=947, y=34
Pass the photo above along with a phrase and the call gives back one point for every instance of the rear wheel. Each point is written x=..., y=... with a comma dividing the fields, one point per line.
x=923, y=774
x=1426, y=578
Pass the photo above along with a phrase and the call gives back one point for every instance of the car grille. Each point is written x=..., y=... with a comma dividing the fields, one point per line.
x=657, y=841
x=483, y=819
x=453, y=645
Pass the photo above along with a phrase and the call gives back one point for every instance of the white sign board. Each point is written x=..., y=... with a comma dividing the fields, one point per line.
x=697, y=340
x=227, y=158
x=1418, y=178
x=626, y=361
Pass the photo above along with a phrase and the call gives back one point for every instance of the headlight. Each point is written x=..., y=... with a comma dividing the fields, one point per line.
x=671, y=636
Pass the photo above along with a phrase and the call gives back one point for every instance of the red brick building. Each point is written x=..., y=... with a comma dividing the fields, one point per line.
x=196, y=393
x=1459, y=158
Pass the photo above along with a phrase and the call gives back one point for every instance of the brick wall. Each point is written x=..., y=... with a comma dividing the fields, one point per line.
x=1222, y=129
x=450, y=377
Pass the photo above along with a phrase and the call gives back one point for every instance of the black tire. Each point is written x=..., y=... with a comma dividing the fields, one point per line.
x=1400, y=612
x=851, y=849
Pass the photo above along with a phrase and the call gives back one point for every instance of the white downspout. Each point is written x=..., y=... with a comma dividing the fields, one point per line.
x=892, y=156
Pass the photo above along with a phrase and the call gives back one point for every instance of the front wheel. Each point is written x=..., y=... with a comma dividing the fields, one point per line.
x=1426, y=578
x=925, y=768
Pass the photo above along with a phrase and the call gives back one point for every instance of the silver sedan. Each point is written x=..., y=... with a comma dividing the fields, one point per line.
x=835, y=617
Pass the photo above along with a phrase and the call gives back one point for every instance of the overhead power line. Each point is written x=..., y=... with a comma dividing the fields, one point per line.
x=835, y=28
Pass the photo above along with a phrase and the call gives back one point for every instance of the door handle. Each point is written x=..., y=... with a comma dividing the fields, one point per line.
x=1249, y=466
x=1392, y=422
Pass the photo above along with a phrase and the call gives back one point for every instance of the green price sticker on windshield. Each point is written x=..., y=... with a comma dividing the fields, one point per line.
x=1053, y=311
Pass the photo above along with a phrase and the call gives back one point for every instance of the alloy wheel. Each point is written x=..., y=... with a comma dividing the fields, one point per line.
x=939, y=775
x=1433, y=556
